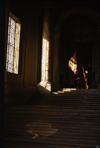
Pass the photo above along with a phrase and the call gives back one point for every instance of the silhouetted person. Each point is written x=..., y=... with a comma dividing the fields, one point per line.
x=76, y=79
x=86, y=79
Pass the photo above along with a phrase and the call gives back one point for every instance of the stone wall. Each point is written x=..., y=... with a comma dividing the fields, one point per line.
x=28, y=14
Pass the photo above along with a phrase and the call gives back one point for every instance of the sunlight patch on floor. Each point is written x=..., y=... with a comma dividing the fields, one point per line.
x=40, y=129
x=61, y=92
x=64, y=90
x=68, y=89
x=55, y=93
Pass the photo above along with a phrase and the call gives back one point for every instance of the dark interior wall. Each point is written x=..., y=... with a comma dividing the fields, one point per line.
x=32, y=32
x=96, y=62
x=28, y=13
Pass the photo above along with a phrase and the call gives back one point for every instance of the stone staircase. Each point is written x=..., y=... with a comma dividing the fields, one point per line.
x=64, y=119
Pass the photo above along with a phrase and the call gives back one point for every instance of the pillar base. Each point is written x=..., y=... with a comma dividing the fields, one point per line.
x=46, y=85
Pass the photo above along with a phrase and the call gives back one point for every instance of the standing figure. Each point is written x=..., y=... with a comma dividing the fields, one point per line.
x=76, y=79
x=86, y=79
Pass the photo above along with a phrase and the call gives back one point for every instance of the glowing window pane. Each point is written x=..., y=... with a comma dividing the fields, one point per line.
x=16, y=53
x=45, y=60
x=13, y=46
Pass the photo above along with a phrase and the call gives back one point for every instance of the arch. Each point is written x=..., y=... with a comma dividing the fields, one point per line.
x=82, y=10
x=77, y=10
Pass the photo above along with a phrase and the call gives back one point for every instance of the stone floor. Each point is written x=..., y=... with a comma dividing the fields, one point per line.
x=65, y=120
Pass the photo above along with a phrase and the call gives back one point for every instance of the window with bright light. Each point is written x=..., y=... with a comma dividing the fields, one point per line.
x=45, y=60
x=13, y=42
x=45, y=65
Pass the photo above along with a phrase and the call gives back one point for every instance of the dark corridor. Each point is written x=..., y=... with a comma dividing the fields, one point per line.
x=78, y=35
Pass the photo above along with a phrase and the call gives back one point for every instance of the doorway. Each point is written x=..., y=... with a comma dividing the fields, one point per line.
x=76, y=35
x=81, y=29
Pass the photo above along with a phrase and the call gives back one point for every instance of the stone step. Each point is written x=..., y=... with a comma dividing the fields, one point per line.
x=56, y=121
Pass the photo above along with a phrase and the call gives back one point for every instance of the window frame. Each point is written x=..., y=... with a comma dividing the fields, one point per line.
x=11, y=15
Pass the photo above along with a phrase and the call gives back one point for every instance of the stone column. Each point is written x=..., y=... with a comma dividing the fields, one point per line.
x=55, y=85
x=46, y=46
